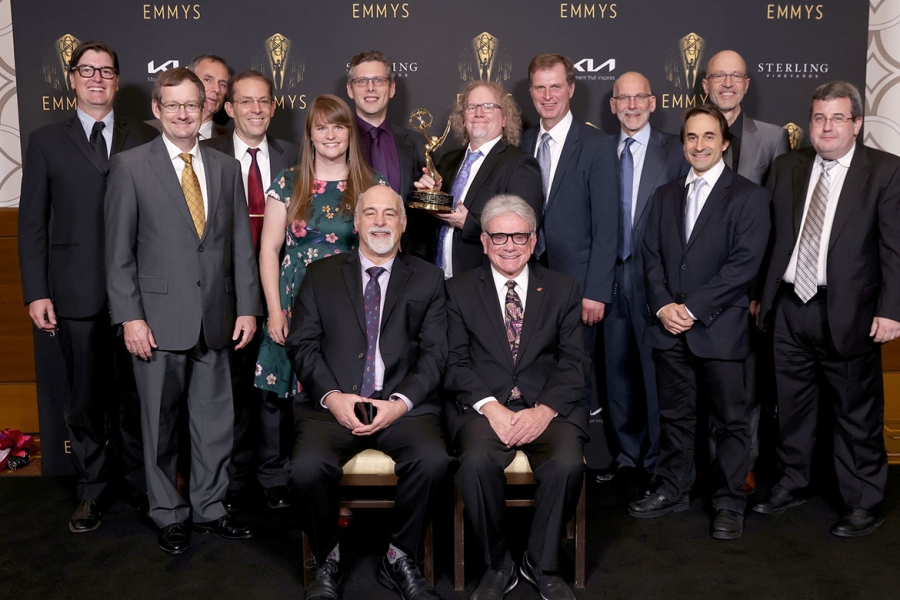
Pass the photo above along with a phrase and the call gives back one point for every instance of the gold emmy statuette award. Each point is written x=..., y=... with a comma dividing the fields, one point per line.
x=434, y=200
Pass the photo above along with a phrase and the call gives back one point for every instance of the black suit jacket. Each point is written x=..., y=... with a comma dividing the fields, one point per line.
x=664, y=161
x=411, y=149
x=863, y=266
x=580, y=217
x=710, y=273
x=61, y=238
x=505, y=170
x=282, y=154
x=327, y=341
x=552, y=362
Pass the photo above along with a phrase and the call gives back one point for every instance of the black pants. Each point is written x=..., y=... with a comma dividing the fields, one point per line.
x=557, y=461
x=808, y=370
x=323, y=446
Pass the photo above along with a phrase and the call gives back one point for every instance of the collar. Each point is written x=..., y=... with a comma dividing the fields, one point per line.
x=642, y=137
x=711, y=176
x=241, y=147
x=500, y=279
x=559, y=131
x=206, y=130
x=486, y=147
x=843, y=161
x=87, y=121
x=174, y=150
x=365, y=127
x=366, y=263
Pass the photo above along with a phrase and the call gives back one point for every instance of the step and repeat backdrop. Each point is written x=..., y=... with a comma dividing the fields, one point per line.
x=437, y=48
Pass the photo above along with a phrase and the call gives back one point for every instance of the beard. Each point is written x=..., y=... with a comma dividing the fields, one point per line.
x=380, y=245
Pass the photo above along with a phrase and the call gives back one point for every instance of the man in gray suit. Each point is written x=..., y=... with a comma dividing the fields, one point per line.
x=180, y=267
x=754, y=147
x=647, y=158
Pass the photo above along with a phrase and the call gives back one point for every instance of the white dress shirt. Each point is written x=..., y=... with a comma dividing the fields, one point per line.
x=206, y=130
x=196, y=164
x=838, y=174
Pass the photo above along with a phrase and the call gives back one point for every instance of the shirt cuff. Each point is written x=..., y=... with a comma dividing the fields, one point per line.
x=689, y=312
x=477, y=406
x=322, y=401
x=407, y=401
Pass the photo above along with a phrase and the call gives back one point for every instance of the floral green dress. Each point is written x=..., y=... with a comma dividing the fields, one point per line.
x=326, y=232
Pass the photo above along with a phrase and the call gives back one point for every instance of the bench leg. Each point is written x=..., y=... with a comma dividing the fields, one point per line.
x=459, y=547
x=429, y=555
x=580, y=539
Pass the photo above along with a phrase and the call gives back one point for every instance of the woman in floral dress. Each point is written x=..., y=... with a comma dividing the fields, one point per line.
x=309, y=213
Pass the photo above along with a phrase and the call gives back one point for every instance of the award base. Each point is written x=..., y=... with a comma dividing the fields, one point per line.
x=432, y=201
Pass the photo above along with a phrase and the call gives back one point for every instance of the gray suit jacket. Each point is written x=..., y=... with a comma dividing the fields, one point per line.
x=157, y=268
x=761, y=143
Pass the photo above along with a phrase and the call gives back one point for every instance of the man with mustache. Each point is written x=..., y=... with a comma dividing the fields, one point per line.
x=370, y=327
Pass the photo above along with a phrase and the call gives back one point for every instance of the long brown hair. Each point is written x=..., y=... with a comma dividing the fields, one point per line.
x=329, y=109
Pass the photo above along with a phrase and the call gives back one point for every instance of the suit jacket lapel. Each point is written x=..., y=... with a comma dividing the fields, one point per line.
x=405, y=151
x=533, y=312
x=353, y=281
x=680, y=201
x=800, y=183
x=716, y=197
x=749, y=147
x=213, y=170
x=400, y=274
x=76, y=132
x=570, y=147
x=491, y=303
x=165, y=172
x=854, y=184
x=278, y=161
x=484, y=171
x=653, y=164
x=120, y=134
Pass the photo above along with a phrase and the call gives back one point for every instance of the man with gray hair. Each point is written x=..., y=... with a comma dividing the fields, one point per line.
x=515, y=379
x=831, y=293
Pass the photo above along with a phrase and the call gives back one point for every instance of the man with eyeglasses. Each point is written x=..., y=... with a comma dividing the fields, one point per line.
x=258, y=415
x=831, y=295
x=488, y=122
x=754, y=147
x=183, y=281
x=514, y=381
x=61, y=242
x=647, y=158
x=579, y=232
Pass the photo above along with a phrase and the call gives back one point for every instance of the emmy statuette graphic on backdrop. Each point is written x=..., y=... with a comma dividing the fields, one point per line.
x=434, y=200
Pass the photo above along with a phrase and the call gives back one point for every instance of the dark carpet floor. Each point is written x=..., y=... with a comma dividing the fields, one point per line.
x=790, y=556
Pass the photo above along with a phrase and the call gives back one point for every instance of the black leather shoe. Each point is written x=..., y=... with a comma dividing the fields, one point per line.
x=656, y=505
x=608, y=474
x=234, y=501
x=86, y=517
x=404, y=577
x=727, y=525
x=496, y=583
x=278, y=497
x=174, y=538
x=327, y=581
x=857, y=522
x=550, y=585
x=778, y=500
x=227, y=526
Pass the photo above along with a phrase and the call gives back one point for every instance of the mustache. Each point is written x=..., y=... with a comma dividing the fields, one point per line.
x=372, y=230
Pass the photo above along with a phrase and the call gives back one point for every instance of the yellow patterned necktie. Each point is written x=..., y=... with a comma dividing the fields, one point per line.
x=190, y=185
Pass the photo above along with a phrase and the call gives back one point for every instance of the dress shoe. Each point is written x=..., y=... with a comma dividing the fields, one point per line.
x=727, y=525
x=608, y=474
x=550, y=585
x=496, y=583
x=138, y=501
x=327, y=581
x=234, y=501
x=404, y=577
x=778, y=500
x=174, y=538
x=86, y=517
x=857, y=522
x=656, y=505
x=226, y=526
x=278, y=497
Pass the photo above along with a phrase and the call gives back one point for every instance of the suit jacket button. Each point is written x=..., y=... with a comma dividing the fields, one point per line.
x=198, y=284
x=355, y=388
x=200, y=249
x=361, y=355
x=684, y=267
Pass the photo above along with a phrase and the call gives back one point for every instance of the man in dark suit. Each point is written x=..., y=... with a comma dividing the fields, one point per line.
x=831, y=293
x=515, y=378
x=183, y=281
x=489, y=123
x=61, y=242
x=653, y=158
x=703, y=245
x=754, y=147
x=258, y=415
x=578, y=234
x=370, y=327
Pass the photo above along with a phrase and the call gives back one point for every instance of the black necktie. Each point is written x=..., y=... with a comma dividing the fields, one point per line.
x=98, y=143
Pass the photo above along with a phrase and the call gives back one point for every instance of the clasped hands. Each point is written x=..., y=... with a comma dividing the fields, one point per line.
x=675, y=318
x=341, y=406
x=516, y=428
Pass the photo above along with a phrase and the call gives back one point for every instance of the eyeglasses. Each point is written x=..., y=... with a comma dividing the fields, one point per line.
x=87, y=71
x=720, y=77
x=627, y=98
x=364, y=81
x=836, y=120
x=246, y=103
x=519, y=239
x=174, y=107
x=486, y=107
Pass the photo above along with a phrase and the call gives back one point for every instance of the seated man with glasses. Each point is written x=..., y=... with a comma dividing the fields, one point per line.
x=515, y=377
x=489, y=123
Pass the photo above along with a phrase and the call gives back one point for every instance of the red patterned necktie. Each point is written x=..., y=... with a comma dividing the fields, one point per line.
x=256, y=200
